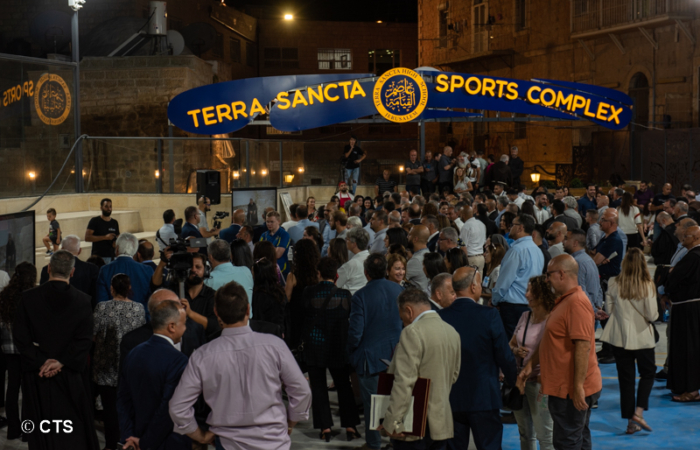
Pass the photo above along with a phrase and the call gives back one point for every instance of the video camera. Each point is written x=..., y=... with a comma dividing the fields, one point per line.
x=217, y=218
x=180, y=262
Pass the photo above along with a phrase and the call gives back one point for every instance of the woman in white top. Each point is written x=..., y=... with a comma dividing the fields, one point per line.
x=493, y=255
x=648, y=219
x=462, y=183
x=630, y=222
x=631, y=304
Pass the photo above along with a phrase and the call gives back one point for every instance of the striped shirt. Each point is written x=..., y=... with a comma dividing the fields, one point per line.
x=385, y=185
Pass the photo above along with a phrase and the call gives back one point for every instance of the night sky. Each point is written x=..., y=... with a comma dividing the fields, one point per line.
x=349, y=10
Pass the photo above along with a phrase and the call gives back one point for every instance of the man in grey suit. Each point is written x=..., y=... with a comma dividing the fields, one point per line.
x=428, y=348
x=419, y=236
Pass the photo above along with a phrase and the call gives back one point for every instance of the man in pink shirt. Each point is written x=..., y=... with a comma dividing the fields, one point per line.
x=241, y=375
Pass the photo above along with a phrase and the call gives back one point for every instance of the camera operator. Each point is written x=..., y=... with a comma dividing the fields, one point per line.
x=167, y=231
x=204, y=205
x=191, y=228
x=199, y=298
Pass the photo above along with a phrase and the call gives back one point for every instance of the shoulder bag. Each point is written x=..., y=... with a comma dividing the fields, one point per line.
x=512, y=398
x=653, y=327
x=299, y=351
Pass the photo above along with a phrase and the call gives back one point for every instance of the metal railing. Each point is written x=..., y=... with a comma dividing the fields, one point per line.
x=588, y=15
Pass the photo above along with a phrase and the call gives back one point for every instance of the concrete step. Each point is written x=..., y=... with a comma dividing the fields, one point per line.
x=76, y=223
x=42, y=259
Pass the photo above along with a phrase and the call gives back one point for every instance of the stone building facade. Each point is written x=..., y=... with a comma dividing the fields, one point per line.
x=646, y=49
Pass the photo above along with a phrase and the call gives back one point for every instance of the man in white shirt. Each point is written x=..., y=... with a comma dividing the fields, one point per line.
x=473, y=235
x=293, y=216
x=555, y=237
x=351, y=275
x=541, y=208
x=515, y=198
x=204, y=205
x=167, y=231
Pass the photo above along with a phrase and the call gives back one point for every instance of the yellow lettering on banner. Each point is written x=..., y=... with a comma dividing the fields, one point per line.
x=614, y=114
x=501, y=84
x=299, y=98
x=579, y=102
x=357, y=90
x=223, y=111
x=317, y=95
x=192, y=113
x=325, y=92
x=238, y=108
x=512, y=91
x=529, y=94
x=456, y=82
x=345, y=85
x=443, y=85
x=568, y=100
x=208, y=115
x=31, y=88
x=282, y=100
x=468, y=85
x=551, y=93
x=256, y=107
x=602, y=111
x=488, y=85
x=586, y=111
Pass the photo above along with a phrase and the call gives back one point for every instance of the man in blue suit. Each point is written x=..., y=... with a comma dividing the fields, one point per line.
x=139, y=274
x=374, y=331
x=476, y=396
x=296, y=233
x=148, y=379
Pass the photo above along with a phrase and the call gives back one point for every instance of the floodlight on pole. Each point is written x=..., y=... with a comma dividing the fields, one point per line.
x=76, y=4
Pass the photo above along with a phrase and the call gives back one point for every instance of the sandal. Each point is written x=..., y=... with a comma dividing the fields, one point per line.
x=633, y=428
x=641, y=422
x=688, y=397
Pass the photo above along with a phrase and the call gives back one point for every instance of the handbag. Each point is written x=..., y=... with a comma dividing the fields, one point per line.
x=511, y=396
x=653, y=327
x=298, y=352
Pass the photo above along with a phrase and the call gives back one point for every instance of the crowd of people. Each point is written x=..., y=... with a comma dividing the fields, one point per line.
x=464, y=278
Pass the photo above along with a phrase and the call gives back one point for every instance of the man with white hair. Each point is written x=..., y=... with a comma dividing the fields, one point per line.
x=139, y=274
x=572, y=210
x=351, y=275
x=394, y=219
x=84, y=278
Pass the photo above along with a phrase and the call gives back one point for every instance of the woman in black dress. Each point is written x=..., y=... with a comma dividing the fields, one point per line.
x=326, y=309
x=306, y=256
x=269, y=299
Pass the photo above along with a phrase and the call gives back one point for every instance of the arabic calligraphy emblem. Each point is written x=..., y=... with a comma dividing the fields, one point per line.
x=52, y=99
x=400, y=95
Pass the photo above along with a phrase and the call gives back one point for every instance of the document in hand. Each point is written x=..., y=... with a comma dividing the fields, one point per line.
x=419, y=403
x=380, y=403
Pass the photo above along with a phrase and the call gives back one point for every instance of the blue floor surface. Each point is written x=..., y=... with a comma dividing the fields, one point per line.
x=675, y=425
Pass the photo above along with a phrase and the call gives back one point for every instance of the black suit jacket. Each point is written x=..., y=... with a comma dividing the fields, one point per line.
x=484, y=346
x=491, y=227
x=192, y=339
x=84, y=278
x=432, y=244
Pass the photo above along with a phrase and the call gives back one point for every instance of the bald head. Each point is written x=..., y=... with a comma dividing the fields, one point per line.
x=562, y=273
x=462, y=279
x=557, y=232
x=603, y=200
x=564, y=263
x=664, y=218
x=692, y=237
x=159, y=296
x=238, y=217
x=419, y=235
x=394, y=219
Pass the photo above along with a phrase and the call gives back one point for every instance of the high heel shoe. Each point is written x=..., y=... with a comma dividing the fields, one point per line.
x=354, y=434
x=325, y=435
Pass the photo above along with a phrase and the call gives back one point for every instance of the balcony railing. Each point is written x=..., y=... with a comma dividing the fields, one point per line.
x=592, y=15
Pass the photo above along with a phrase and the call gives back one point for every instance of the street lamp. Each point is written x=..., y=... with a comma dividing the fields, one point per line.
x=76, y=5
x=288, y=17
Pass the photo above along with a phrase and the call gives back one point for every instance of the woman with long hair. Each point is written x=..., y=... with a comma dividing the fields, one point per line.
x=240, y=254
x=112, y=320
x=396, y=269
x=311, y=208
x=631, y=303
x=444, y=222
x=326, y=313
x=493, y=255
x=338, y=250
x=433, y=265
x=22, y=280
x=269, y=299
x=302, y=275
x=630, y=222
x=648, y=220
x=265, y=249
x=398, y=249
x=367, y=204
x=461, y=182
x=534, y=418
x=395, y=236
x=455, y=258
x=528, y=208
x=313, y=234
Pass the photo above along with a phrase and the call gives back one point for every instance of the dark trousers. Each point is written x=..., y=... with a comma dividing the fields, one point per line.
x=427, y=187
x=14, y=380
x=422, y=444
x=486, y=427
x=626, y=371
x=414, y=189
x=3, y=369
x=510, y=315
x=349, y=417
x=634, y=241
x=571, y=430
x=108, y=394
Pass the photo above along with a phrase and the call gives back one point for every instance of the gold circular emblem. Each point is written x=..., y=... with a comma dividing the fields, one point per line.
x=400, y=95
x=52, y=99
